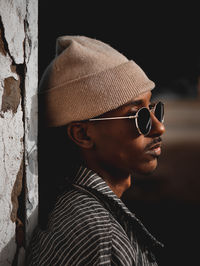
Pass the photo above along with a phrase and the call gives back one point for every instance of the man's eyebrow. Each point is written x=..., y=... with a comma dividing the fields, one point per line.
x=134, y=103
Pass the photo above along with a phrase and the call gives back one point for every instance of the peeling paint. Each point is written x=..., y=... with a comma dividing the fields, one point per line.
x=18, y=127
x=17, y=188
x=13, y=68
x=11, y=96
x=3, y=43
x=11, y=154
x=2, y=48
x=13, y=17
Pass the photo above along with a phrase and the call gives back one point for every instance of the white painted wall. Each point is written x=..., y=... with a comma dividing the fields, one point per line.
x=31, y=113
x=18, y=124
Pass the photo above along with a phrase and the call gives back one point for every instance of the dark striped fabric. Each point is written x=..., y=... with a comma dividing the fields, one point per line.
x=90, y=225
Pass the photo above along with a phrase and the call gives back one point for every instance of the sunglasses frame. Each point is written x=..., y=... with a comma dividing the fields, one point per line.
x=133, y=117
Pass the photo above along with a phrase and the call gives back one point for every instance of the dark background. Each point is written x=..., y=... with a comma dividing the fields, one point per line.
x=164, y=40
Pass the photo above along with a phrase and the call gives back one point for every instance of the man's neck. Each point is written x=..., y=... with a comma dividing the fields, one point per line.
x=117, y=180
x=119, y=187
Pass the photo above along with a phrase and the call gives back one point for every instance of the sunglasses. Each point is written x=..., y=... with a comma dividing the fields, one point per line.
x=142, y=118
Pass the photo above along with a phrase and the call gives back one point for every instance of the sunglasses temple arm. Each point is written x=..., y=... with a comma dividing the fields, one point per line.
x=113, y=118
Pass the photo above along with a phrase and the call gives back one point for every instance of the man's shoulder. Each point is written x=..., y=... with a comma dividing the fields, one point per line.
x=77, y=208
x=78, y=227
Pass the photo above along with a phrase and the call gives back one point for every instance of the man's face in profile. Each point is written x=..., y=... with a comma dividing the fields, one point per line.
x=119, y=147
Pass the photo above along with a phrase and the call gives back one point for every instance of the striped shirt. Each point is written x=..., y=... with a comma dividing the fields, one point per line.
x=90, y=225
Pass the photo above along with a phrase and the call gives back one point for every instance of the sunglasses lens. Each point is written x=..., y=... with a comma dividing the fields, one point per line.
x=144, y=121
x=159, y=111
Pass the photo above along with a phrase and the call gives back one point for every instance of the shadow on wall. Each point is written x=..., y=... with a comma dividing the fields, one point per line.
x=8, y=251
x=11, y=254
x=168, y=200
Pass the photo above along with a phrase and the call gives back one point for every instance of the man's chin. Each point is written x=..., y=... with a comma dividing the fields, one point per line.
x=149, y=172
x=147, y=168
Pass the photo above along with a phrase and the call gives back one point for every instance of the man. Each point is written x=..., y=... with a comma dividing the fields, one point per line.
x=102, y=101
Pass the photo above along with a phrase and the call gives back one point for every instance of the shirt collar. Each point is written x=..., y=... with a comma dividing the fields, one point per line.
x=88, y=179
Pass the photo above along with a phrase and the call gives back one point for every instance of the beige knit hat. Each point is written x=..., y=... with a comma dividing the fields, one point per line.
x=86, y=79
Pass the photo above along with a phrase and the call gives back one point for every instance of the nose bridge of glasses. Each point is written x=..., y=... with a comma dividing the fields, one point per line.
x=153, y=108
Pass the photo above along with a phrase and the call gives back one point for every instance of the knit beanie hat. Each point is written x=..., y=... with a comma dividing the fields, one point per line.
x=86, y=79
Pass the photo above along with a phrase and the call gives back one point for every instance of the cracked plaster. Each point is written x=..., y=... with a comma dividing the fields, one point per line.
x=18, y=129
x=13, y=16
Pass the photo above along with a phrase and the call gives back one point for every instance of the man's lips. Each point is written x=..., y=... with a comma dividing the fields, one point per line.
x=154, y=148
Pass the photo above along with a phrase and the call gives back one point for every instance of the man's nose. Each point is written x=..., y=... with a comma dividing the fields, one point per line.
x=157, y=128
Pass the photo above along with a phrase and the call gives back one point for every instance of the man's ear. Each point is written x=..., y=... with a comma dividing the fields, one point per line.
x=78, y=133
